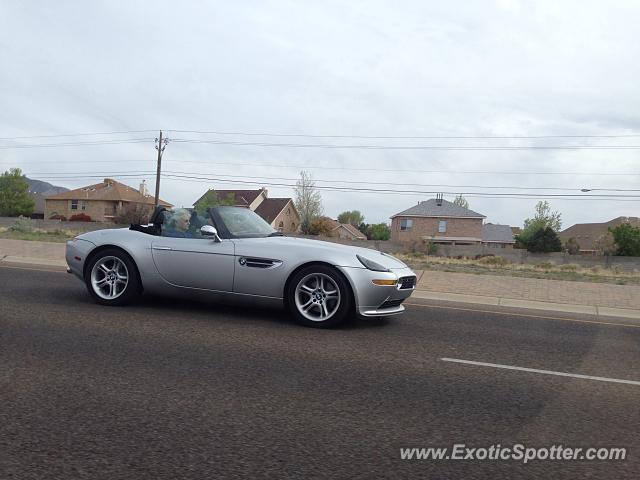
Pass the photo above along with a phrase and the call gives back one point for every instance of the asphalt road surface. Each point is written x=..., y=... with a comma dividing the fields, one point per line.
x=173, y=389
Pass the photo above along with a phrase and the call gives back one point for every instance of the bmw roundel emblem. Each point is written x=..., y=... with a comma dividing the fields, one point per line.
x=242, y=261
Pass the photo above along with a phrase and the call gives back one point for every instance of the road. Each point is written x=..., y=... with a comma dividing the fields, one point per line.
x=172, y=389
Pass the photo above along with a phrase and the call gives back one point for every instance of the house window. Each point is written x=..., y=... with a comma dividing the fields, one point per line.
x=288, y=211
x=83, y=205
x=281, y=226
x=442, y=226
x=293, y=227
x=406, y=224
x=74, y=204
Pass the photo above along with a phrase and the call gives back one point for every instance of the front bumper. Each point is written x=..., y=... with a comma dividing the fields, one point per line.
x=377, y=300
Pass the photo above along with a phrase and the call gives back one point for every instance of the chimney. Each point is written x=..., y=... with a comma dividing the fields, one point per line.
x=439, y=199
x=108, y=181
x=143, y=189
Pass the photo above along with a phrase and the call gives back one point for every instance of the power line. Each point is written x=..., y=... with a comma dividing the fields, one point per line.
x=392, y=137
x=511, y=196
x=410, y=147
x=77, y=134
x=78, y=144
x=391, y=170
x=354, y=182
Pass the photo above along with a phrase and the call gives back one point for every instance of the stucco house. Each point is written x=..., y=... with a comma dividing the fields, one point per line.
x=280, y=213
x=101, y=201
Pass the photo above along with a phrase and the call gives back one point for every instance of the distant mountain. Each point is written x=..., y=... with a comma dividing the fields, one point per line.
x=44, y=188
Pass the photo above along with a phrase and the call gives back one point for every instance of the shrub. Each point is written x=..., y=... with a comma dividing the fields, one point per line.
x=544, y=240
x=137, y=214
x=572, y=246
x=431, y=248
x=544, y=265
x=627, y=239
x=55, y=216
x=569, y=267
x=493, y=260
x=80, y=217
x=23, y=225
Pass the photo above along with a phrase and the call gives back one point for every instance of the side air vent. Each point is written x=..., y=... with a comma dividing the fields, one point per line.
x=259, y=262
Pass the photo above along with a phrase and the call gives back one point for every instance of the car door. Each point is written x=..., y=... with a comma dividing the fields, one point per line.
x=195, y=262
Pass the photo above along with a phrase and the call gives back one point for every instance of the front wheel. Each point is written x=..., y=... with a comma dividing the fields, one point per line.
x=319, y=297
x=112, y=278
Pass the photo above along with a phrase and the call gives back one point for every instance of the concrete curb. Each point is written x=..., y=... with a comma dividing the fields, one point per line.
x=528, y=304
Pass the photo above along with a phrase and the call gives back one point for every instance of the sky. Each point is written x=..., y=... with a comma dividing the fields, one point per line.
x=321, y=78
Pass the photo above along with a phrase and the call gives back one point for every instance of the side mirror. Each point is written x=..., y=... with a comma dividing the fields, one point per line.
x=209, y=231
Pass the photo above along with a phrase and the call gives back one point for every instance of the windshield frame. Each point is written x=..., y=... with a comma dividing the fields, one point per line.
x=223, y=230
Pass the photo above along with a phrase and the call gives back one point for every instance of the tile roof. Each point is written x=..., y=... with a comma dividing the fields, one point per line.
x=588, y=234
x=430, y=208
x=497, y=233
x=242, y=198
x=108, y=190
x=353, y=231
x=270, y=208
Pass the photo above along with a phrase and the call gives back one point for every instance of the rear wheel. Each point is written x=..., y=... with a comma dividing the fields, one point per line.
x=319, y=297
x=112, y=278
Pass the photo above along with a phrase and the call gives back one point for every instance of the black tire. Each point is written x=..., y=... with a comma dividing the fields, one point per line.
x=124, y=292
x=340, y=310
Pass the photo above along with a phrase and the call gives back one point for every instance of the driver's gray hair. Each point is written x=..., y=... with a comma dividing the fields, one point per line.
x=175, y=214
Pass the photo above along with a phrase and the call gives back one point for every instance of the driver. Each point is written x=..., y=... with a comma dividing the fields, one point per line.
x=178, y=224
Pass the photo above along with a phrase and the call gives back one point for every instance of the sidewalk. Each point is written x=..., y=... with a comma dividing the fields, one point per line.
x=601, y=299
x=554, y=295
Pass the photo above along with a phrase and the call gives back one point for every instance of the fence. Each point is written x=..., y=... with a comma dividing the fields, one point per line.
x=628, y=264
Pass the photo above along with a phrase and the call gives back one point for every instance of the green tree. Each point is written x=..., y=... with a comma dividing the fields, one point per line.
x=544, y=218
x=14, y=194
x=378, y=231
x=353, y=217
x=544, y=240
x=211, y=199
x=627, y=239
x=308, y=201
x=461, y=201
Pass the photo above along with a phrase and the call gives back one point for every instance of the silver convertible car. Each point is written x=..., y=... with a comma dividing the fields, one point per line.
x=232, y=254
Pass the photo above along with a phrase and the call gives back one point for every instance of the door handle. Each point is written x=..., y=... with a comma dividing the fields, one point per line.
x=161, y=247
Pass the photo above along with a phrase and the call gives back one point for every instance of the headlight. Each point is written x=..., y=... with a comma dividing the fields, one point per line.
x=371, y=265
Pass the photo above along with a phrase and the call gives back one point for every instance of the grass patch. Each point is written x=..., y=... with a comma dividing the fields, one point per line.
x=545, y=270
x=57, y=236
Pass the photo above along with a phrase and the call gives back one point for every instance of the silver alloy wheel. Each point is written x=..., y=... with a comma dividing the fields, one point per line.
x=317, y=297
x=109, y=278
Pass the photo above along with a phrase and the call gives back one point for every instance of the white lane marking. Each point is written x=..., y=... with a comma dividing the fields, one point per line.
x=546, y=372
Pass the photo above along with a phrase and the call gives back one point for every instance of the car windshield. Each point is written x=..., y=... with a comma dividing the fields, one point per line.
x=243, y=223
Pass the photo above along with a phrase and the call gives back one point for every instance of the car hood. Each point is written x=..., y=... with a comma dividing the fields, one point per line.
x=321, y=248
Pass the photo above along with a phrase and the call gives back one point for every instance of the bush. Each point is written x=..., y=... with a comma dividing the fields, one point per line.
x=627, y=240
x=321, y=226
x=136, y=214
x=55, y=216
x=22, y=225
x=544, y=240
x=493, y=260
x=544, y=265
x=572, y=246
x=80, y=217
x=569, y=267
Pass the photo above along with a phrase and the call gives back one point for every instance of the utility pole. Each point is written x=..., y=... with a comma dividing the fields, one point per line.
x=160, y=146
